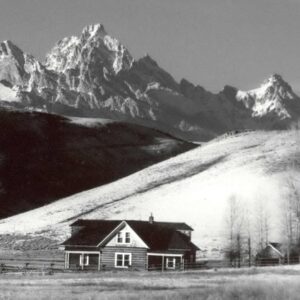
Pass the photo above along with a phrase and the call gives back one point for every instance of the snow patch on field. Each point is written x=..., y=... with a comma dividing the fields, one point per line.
x=90, y=122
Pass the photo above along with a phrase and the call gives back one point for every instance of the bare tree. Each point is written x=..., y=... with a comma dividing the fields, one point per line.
x=262, y=225
x=291, y=204
x=235, y=218
x=248, y=237
x=291, y=218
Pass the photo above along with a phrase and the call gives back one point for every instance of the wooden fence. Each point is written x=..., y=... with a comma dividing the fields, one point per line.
x=49, y=266
x=31, y=264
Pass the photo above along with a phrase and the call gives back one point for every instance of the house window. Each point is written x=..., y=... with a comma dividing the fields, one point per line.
x=127, y=237
x=84, y=260
x=123, y=237
x=120, y=237
x=122, y=260
x=171, y=263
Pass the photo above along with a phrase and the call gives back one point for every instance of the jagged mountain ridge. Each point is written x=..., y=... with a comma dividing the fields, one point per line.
x=94, y=75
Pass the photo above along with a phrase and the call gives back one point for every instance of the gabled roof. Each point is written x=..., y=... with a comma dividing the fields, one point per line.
x=175, y=225
x=91, y=234
x=159, y=236
x=277, y=247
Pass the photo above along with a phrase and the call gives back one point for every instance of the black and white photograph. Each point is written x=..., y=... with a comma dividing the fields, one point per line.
x=150, y=149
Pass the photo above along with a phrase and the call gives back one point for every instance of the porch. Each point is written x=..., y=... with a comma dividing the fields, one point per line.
x=82, y=260
x=164, y=261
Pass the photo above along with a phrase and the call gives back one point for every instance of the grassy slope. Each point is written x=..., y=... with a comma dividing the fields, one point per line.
x=46, y=157
x=255, y=167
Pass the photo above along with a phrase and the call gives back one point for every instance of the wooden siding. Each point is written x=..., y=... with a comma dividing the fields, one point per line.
x=138, y=258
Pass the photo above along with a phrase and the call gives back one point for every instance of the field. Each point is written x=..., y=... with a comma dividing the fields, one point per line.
x=254, y=283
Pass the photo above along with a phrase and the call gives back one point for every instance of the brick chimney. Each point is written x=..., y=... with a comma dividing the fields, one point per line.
x=151, y=219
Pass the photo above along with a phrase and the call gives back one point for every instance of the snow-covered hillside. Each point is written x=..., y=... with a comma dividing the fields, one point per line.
x=49, y=157
x=254, y=168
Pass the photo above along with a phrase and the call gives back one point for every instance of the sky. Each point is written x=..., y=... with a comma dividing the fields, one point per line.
x=209, y=42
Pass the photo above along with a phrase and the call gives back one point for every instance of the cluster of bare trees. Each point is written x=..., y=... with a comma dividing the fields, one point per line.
x=291, y=201
x=291, y=221
x=245, y=237
x=248, y=235
x=239, y=233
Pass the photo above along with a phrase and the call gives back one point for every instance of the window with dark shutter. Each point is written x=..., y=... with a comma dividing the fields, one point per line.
x=120, y=237
x=127, y=237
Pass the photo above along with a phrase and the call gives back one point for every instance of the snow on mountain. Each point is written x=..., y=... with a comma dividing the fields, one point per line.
x=270, y=97
x=94, y=46
x=94, y=75
x=8, y=94
x=257, y=169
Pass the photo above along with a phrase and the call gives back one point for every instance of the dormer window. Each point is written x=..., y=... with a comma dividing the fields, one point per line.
x=120, y=237
x=123, y=237
x=127, y=237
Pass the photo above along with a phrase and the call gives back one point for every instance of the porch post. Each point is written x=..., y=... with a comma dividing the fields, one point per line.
x=82, y=260
x=99, y=261
x=67, y=260
x=163, y=263
x=182, y=262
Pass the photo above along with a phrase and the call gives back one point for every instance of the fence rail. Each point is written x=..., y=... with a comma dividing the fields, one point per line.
x=49, y=266
x=31, y=265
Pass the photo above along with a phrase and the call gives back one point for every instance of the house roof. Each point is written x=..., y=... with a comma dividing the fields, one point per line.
x=175, y=225
x=91, y=234
x=159, y=236
x=276, y=245
x=162, y=235
x=277, y=248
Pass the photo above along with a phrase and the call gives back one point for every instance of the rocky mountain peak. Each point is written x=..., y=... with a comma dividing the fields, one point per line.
x=93, y=31
x=270, y=98
x=276, y=87
x=94, y=48
x=9, y=49
x=275, y=78
x=93, y=74
x=16, y=67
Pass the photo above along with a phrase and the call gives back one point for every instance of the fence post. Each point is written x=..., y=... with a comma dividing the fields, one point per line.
x=25, y=268
x=249, y=250
x=2, y=268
